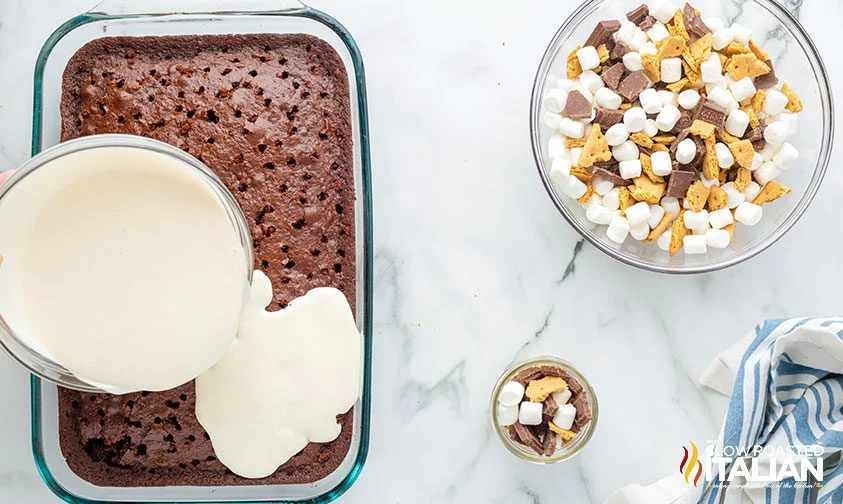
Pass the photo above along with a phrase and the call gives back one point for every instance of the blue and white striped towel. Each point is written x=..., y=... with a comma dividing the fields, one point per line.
x=786, y=385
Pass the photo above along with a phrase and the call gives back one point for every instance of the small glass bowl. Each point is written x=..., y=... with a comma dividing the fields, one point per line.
x=568, y=450
x=796, y=61
x=33, y=360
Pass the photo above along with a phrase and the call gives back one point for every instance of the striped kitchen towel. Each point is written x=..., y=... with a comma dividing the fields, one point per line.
x=786, y=385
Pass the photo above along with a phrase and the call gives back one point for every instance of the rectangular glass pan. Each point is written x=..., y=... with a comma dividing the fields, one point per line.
x=121, y=17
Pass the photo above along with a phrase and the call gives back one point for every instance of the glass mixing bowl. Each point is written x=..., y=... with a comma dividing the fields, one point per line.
x=796, y=62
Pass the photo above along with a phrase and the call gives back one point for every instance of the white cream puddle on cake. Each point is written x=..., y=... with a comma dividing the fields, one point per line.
x=122, y=265
x=285, y=379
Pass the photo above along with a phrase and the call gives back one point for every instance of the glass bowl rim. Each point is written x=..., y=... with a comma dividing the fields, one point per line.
x=806, y=44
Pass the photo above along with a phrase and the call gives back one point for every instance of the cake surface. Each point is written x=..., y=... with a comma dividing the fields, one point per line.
x=270, y=115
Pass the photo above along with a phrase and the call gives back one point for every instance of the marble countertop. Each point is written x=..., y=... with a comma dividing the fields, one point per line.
x=475, y=268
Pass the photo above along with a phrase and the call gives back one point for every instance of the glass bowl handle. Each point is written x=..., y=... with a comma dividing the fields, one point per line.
x=158, y=7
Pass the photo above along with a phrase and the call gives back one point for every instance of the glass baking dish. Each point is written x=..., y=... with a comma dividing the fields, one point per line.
x=155, y=17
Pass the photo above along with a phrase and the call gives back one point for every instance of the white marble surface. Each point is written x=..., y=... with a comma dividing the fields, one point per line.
x=475, y=267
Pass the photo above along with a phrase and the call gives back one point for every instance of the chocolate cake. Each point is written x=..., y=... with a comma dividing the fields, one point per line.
x=270, y=114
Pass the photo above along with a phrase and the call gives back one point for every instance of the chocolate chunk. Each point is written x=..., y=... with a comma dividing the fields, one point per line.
x=527, y=437
x=686, y=118
x=612, y=76
x=583, y=410
x=638, y=14
x=756, y=136
x=767, y=80
x=732, y=175
x=618, y=51
x=578, y=106
x=694, y=22
x=550, y=407
x=648, y=23
x=607, y=118
x=698, y=157
x=633, y=84
x=574, y=385
x=526, y=375
x=680, y=181
x=613, y=176
x=549, y=443
x=602, y=32
x=711, y=113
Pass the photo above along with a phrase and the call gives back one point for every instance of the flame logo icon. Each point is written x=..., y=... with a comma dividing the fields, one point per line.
x=691, y=467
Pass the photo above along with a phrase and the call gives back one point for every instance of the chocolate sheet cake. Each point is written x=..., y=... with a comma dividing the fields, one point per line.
x=270, y=114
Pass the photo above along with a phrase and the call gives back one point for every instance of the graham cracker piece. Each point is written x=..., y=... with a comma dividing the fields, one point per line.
x=657, y=147
x=652, y=68
x=757, y=51
x=692, y=74
x=700, y=46
x=603, y=53
x=743, y=179
x=679, y=85
x=702, y=129
x=717, y=198
x=584, y=174
x=726, y=137
x=671, y=47
x=644, y=189
x=746, y=65
x=753, y=117
x=758, y=100
x=697, y=196
x=661, y=228
x=734, y=48
x=664, y=139
x=642, y=139
x=794, y=104
x=625, y=198
x=625, y=106
x=573, y=68
x=710, y=166
x=589, y=192
x=572, y=143
x=771, y=192
x=743, y=152
x=538, y=390
x=678, y=234
x=596, y=148
x=730, y=229
x=565, y=435
x=678, y=26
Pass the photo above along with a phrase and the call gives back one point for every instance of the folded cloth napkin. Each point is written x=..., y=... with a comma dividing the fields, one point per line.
x=786, y=385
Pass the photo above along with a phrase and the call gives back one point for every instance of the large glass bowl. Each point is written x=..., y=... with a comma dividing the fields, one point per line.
x=796, y=61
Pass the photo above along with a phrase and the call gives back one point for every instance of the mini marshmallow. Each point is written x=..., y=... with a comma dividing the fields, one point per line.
x=664, y=241
x=617, y=134
x=671, y=70
x=555, y=100
x=588, y=57
x=625, y=32
x=768, y=171
x=574, y=187
x=638, y=213
x=530, y=413
x=618, y=229
x=562, y=397
x=566, y=85
x=743, y=89
x=671, y=206
x=662, y=10
x=630, y=169
x=553, y=120
x=714, y=23
x=775, y=102
x=626, y=151
x=556, y=147
x=741, y=33
x=686, y=151
x=717, y=238
x=607, y=98
x=574, y=154
x=791, y=120
x=564, y=417
x=757, y=161
x=696, y=220
x=748, y=213
x=699, y=232
x=777, y=132
x=718, y=219
x=601, y=186
x=769, y=151
x=650, y=101
x=668, y=117
x=507, y=415
x=639, y=38
x=694, y=245
x=611, y=199
x=656, y=214
x=689, y=99
x=751, y=191
x=593, y=200
x=635, y=119
x=733, y=196
x=721, y=96
x=650, y=128
x=632, y=61
x=662, y=164
x=722, y=38
x=711, y=70
x=511, y=394
x=658, y=32
x=648, y=48
x=639, y=231
x=786, y=156
x=737, y=122
x=668, y=98
x=599, y=214
x=571, y=128
x=560, y=170
x=591, y=81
